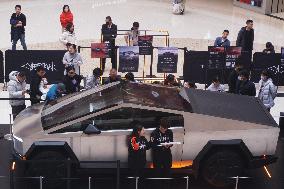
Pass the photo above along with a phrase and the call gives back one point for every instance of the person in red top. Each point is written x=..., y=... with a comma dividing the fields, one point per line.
x=66, y=17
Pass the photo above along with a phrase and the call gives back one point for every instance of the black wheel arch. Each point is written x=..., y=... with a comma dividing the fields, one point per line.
x=58, y=146
x=213, y=146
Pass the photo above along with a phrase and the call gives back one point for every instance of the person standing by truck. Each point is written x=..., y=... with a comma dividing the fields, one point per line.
x=162, y=155
x=137, y=146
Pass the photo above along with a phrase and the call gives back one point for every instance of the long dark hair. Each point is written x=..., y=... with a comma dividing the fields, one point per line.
x=136, y=129
x=68, y=27
x=65, y=7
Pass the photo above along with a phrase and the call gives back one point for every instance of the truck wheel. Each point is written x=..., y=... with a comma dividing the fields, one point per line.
x=51, y=166
x=220, y=166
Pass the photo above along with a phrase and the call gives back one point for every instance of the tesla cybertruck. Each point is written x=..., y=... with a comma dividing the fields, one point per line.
x=220, y=134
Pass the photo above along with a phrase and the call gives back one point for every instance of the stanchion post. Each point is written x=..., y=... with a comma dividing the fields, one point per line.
x=237, y=182
x=144, y=67
x=11, y=178
x=10, y=119
x=151, y=66
x=90, y=182
x=40, y=182
x=136, y=182
x=187, y=182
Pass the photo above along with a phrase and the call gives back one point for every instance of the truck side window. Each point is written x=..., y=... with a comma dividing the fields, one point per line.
x=113, y=120
x=151, y=118
x=125, y=118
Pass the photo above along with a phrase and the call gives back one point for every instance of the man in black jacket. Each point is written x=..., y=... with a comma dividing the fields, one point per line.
x=72, y=81
x=246, y=37
x=244, y=85
x=18, y=23
x=162, y=156
x=36, y=79
x=113, y=77
x=109, y=32
x=233, y=77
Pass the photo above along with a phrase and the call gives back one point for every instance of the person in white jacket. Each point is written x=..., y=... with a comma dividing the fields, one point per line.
x=178, y=6
x=68, y=36
x=216, y=86
x=267, y=90
x=93, y=81
x=72, y=58
x=17, y=89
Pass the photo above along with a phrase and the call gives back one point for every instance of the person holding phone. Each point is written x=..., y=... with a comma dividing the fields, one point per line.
x=17, y=89
x=18, y=23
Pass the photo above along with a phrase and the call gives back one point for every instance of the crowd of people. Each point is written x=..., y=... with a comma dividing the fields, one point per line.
x=238, y=81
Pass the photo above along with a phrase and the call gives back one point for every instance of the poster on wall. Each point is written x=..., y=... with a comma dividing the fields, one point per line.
x=28, y=61
x=232, y=55
x=216, y=57
x=145, y=44
x=270, y=62
x=255, y=3
x=128, y=59
x=100, y=50
x=167, y=59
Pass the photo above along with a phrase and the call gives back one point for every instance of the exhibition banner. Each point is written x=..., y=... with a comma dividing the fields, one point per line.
x=128, y=59
x=232, y=55
x=216, y=57
x=100, y=50
x=1, y=67
x=194, y=68
x=270, y=62
x=145, y=44
x=28, y=60
x=167, y=59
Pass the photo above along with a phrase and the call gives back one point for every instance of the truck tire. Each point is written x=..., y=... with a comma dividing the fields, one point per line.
x=220, y=166
x=51, y=166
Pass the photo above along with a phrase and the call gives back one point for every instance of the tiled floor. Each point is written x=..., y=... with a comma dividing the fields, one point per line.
x=203, y=19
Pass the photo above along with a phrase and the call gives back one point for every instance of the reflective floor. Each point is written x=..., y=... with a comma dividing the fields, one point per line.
x=203, y=19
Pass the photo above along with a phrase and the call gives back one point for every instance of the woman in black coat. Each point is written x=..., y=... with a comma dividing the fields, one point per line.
x=137, y=146
x=71, y=80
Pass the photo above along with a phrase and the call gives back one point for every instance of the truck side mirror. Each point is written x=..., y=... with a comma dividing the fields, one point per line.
x=92, y=129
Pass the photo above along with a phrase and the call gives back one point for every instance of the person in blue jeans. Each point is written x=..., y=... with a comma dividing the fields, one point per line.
x=18, y=23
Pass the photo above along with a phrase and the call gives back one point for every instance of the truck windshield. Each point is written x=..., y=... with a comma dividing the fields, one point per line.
x=71, y=107
x=74, y=106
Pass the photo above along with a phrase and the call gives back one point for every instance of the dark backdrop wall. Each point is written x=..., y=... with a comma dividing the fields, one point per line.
x=27, y=61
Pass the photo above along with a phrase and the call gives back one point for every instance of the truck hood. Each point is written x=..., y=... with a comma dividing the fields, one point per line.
x=28, y=122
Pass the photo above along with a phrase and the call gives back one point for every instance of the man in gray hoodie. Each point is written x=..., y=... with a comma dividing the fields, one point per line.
x=17, y=89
